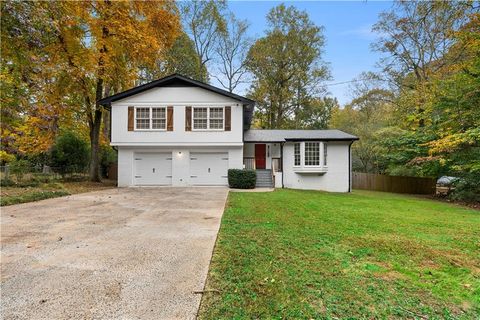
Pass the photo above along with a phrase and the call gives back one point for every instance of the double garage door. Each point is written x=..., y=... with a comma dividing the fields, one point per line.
x=205, y=168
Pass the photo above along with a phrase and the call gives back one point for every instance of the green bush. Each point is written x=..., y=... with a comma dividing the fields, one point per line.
x=70, y=154
x=467, y=188
x=7, y=182
x=18, y=184
x=43, y=177
x=242, y=179
x=19, y=168
x=108, y=156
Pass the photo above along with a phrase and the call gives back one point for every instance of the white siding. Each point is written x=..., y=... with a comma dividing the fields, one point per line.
x=249, y=150
x=336, y=179
x=278, y=180
x=180, y=162
x=178, y=97
x=273, y=151
x=180, y=143
x=153, y=168
x=208, y=168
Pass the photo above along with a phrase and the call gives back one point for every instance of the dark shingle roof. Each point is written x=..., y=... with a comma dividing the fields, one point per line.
x=173, y=80
x=256, y=135
x=176, y=80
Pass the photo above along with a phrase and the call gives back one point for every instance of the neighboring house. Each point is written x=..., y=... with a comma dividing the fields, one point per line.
x=180, y=132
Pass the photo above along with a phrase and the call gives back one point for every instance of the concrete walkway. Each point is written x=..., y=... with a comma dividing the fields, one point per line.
x=136, y=253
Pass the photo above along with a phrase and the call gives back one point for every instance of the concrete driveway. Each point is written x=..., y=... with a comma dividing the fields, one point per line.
x=135, y=253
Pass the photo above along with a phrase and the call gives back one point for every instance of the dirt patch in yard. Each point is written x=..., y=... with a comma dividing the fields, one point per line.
x=14, y=194
x=87, y=186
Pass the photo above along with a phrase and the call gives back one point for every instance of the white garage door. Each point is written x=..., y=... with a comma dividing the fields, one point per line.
x=208, y=169
x=153, y=169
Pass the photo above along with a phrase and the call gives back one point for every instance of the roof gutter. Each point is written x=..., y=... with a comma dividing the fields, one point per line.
x=264, y=141
x=300, y=139
x=322, y=139
x=350, y=166
x=281, y=152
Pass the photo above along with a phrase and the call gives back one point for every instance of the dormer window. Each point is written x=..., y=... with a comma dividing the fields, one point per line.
x=208, y=118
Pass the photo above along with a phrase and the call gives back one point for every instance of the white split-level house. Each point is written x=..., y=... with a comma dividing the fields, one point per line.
x=176, y=131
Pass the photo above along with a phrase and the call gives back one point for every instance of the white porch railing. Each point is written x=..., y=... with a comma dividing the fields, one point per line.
x=277, y=164
x=249, y=163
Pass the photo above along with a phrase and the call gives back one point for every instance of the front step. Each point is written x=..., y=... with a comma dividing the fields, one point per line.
x=264, y=178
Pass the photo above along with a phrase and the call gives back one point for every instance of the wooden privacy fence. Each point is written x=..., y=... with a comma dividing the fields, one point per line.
x=112, y=172
x=397, y=184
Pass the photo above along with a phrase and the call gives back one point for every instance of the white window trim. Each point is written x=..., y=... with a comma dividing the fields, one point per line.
x=324, y=155
x=150, y=113
x=302, y=155
x=208, y=118
x=319, y=155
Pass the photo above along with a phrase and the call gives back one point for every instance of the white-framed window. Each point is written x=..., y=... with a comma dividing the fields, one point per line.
x=208, y=118
x=324, y=153
x=142, y=118
x=150, y=118
x=200, y=118
x=297, y=158
x=215, y=120
x=312, y=153
x=159, y=118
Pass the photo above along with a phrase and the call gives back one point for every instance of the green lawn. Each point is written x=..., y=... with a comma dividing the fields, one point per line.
x=305, y=254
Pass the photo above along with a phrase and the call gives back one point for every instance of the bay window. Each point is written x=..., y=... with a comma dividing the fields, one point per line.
x=324, y=153
x=312, y=153
x=309, y=154
x=297, y=154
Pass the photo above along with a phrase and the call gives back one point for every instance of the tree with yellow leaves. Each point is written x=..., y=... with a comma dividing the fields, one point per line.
x=104, y=43
x=90, y=49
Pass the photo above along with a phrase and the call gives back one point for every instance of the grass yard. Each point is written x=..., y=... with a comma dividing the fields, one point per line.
x=15, y=195
x=303, y=254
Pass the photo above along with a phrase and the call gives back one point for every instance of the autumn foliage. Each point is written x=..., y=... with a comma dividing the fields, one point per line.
x=60, y=57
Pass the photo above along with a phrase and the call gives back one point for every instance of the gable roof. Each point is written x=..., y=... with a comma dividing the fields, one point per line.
x=177, y=80
x=174, y=80
x=257, y=135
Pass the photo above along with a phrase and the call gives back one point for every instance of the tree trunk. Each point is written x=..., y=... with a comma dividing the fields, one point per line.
x=106, y=127
x=95, y=122
x=95, y=125
x=95, y=150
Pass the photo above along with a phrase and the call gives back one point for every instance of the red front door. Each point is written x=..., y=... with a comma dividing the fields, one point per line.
x=260, y=158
